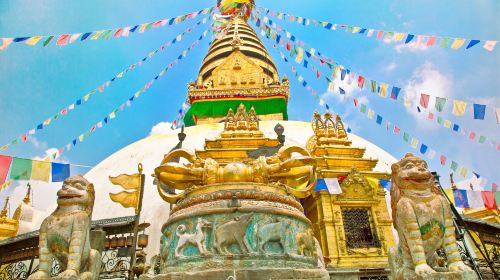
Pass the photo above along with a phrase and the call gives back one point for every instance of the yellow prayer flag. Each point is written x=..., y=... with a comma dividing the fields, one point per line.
x=143, y=27
x=86, y=97
x=371, y=113
x=459, y=107
x=33, y=40
x=383, y=89
x=47, y=121
x=184, y=53
x=464, y=171
x=126, y=199
x=80, y=137
x=331, y=87
x=447, y=123
x=128, y=182
x=399, y=36
x=355, y=29
x=300, y=55
x=96, y=35
x=321, y=102
x=373, y=182
x=414, y=143
x=112, y=115
x=457, y=43
x=40, y=170
x=119, y=75
x=179, y=37
x=449, y=194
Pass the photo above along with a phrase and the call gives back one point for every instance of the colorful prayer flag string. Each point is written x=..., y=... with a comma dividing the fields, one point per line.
x=65, y=39
x=412, y=141
x=391, y=36
x=83, y=100
x=128, y=102
x=381, y=88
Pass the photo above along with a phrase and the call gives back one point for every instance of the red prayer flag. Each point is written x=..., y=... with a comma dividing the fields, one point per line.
x=24, y=137
x=118, y=32
x=361, y=81
x=494, y=187
x=396, y=130
x=442, y=159
x=288, y=46
x=472, y=135
x=64, y=111
x=62, y=40
x=431, y=41
x=424, y=100
x=380, y=34
x=5, y=162
x=489, y=200
x=318, y=74
x=101, y=88
x=431, y=116
x=355, y=102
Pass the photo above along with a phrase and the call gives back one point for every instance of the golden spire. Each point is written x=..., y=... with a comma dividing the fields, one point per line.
x=453, y=186
x=3, y=214
x=27, y=199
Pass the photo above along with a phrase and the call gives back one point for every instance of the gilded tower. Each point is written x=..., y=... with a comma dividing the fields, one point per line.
x=237, y=70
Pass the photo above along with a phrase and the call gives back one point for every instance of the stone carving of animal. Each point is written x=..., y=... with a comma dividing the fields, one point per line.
x=196, y=238
x=65, y=234
x=272, y=232
x=306, y=244
x=423, y=219
x=233, y=232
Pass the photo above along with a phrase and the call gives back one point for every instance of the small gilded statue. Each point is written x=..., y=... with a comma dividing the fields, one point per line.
x=424, y=223
x=65, y=234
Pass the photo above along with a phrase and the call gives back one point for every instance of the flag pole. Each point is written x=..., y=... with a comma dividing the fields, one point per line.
x=136, y=223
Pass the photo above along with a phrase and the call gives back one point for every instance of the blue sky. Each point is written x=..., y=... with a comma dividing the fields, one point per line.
x=37, y=82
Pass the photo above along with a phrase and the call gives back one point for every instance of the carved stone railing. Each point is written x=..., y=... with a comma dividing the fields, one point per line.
x=246, y=92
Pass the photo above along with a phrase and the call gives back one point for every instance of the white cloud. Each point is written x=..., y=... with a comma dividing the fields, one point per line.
x=48, y=153
x=411, y=47
x=350, y=89
x=161, y=128
x=390, y=67
x=426, y=79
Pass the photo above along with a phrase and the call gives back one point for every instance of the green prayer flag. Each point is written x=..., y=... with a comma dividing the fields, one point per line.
x=48, y=41
x=21, y=169
x=444, y=42
x=454, y=166
x=106, y=34
x=482, y=139
x=374, y=86
x=363, y=108
x=440, y=104
x=406, y=137
x=497, y=198
x=440, y=120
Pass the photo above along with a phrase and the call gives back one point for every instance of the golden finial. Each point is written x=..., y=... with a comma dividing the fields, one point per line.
x=453, y=186
x=3, y=214
x=27, y=199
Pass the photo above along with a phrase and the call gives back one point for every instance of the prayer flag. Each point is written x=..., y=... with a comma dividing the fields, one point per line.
x=497, y=112
x=362, y=109
x=455, y=127
x=431, y=154
x=472, y=43
x=379, y=119
x=440, y=103
x=464, y=171
x=62, y=40
x=49, y=39
x=459, y=107
x=342, y=91
x=489, y=45
x=406, y=137
x=371, y=114
x=454, y=166
x=383, y=89
x=449, y=194
x=444, y=42
x=96, y=35
x=472, y=135
x=396, y=130
x=457, y=43
x=5, y=43
x=424, y=100
x=85, y=36
x=40, y=170
x=386, y=184
x=60, y=172
x=373, y=86
x=395, y=93
x=447, y=123
x=5, y=162
x=442, y=159
x=497, y=198
x=373, y=182
x=479, y=111
x=332, y=185
x=74, y=37
x=460, y=198
x=414, y=143
x=409, y=37
x=361, y=81
x=423, y=149
x=33, y=40
x=431, y=41
x=475, y=199
x=300, y=55
x=21, y=169
x=489, y=200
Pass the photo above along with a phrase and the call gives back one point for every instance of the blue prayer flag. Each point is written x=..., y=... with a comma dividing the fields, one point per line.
x=321, y=185
x=409, y=38
x=113, y=79
x=472, y=43
x=258, y=22
x=328, y=26
x=379, y=119
x=386, y=184
x=171, y=21
x=85, y=36
x=423, y=149
x=40, y=126
x=78, y=102
x=418, y=109
x=349, y=130
x=477, y=175
x=292, y=38
x=74, y=142
x=60, y=172
x=460, y=197
x=20, y=39
x=479, y=111
x=133, y=29
x=327, y=107
x=395, y=93
x=455, y=127
x=308, y=54
x=362, y=30
x=342, y=91
x=342, y=74
x=305, y=63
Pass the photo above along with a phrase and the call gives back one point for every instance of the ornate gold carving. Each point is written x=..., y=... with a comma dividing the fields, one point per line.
x=355, y=186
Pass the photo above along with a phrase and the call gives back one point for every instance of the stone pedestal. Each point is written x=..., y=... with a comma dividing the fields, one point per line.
x=247, y=230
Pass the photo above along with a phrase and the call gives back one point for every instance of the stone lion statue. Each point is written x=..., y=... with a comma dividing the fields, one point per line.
x=65, y=234
x=423, y=219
